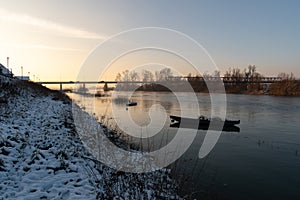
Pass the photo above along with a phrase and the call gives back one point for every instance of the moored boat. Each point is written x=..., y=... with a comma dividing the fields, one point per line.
x=131, y=104
x=204, y=123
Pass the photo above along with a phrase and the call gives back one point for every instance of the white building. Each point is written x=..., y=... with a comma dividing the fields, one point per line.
x=24, y=78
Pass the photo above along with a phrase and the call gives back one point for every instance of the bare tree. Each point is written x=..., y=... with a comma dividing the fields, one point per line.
x=134, y=76
x=164, y=74
x=217, y=73
x=288, y=86
x=125, y=75
x=147, y=76
x=118, y=77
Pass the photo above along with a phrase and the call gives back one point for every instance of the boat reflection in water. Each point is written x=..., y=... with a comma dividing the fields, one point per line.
x=203, y=123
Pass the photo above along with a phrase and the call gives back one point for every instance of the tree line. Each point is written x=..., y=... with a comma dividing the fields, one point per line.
x=145, y=76
x=288, y=86
x=236, y=81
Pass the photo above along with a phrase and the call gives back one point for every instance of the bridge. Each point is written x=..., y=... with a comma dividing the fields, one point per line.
x=235, y=79
x=226, y=80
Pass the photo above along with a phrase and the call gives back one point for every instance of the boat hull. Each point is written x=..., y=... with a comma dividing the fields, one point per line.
x=131, y=104
x=204, y=124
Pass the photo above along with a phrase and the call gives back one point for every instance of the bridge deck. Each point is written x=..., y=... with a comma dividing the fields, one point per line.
x=200, y=79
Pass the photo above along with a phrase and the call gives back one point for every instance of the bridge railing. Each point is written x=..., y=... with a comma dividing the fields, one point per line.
x=183, y=78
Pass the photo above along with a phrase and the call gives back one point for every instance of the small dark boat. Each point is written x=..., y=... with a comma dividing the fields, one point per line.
x=204, y=123
x=98, y=94
x=131, y=104
x=101, y=94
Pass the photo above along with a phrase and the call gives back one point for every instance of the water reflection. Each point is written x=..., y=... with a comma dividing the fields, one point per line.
x=261, y=162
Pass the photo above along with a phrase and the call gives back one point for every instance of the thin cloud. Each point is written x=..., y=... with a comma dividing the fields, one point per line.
x=38, y=46
x=46, y=47
x=54, y=27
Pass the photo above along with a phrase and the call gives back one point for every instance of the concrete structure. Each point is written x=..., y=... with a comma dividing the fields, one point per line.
x=24, y=78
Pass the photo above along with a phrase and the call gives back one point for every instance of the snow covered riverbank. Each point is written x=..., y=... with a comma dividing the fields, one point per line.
x=42, y=157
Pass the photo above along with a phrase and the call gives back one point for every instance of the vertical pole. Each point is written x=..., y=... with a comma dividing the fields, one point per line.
x=7, y=64
x=22, y=73
x=60, y=86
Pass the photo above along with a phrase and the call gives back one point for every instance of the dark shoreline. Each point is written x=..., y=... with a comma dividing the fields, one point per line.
x=257, y=93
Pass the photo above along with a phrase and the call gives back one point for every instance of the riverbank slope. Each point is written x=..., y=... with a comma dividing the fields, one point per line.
x=42, y=157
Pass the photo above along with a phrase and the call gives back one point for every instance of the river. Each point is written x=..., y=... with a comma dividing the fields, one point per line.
x=262, y=161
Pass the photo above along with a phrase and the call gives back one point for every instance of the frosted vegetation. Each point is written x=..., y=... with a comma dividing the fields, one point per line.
x=42, y=157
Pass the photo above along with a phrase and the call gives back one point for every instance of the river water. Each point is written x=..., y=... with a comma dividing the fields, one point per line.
x=262, y=161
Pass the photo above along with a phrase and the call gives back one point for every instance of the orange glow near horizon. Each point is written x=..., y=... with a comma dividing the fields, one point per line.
x=52, y=44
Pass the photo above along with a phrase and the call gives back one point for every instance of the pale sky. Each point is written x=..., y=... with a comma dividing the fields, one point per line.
x=51, y=39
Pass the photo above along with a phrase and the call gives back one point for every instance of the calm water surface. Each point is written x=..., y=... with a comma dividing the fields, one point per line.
x=262, y=161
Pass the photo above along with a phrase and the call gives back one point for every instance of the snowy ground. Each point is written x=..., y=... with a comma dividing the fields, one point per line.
x=42, y=157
